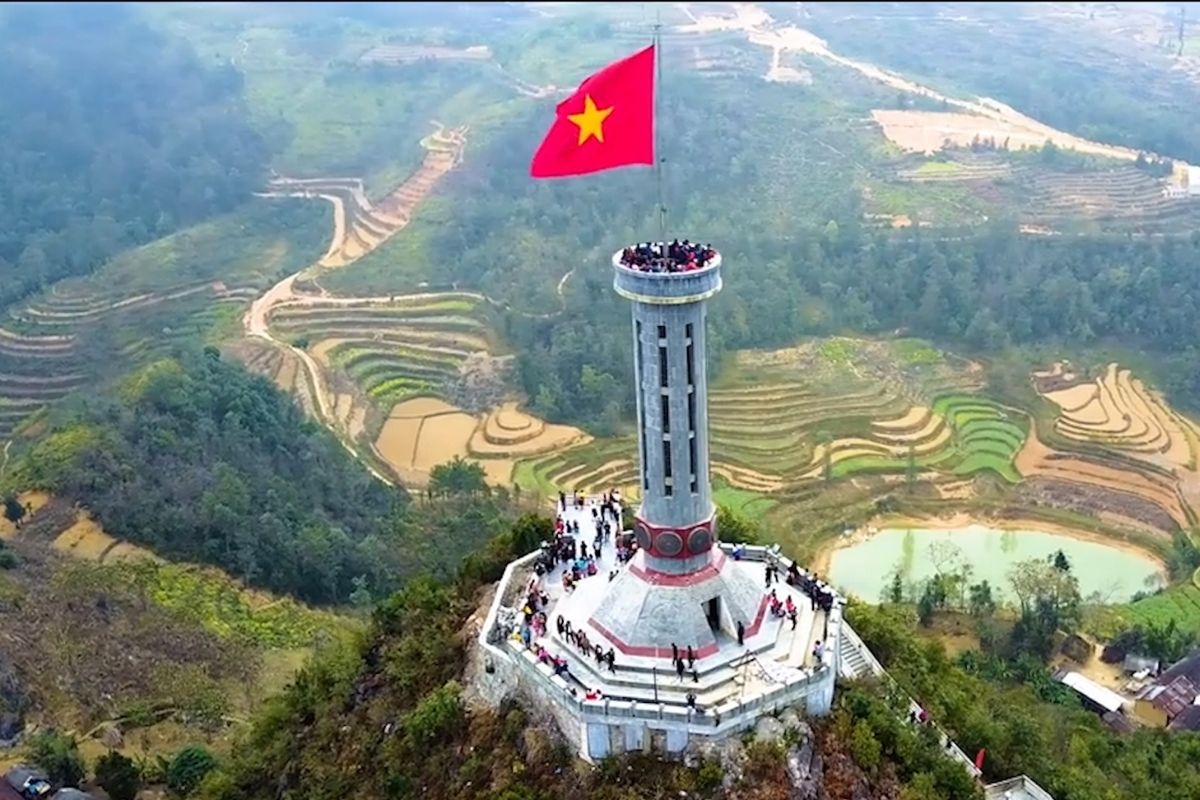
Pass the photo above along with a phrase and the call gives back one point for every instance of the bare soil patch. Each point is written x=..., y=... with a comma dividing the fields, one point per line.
x=285, y=379
x=929, y=131
x=1074, y=398
x=33, y=502
x=552, y=437
x=441, y=438
x=397, y=441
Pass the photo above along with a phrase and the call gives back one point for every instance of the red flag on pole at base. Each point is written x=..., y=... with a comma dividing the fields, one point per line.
x=608, y=122
x=979, y=759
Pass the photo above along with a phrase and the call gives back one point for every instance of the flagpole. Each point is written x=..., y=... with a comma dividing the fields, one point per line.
x=658, y=158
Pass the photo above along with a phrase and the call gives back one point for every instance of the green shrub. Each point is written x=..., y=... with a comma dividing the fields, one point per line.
x=59, y=756
x=709, y=777
x=118, y=776
x=13, y=510
x=437, y=715
x=188, y=768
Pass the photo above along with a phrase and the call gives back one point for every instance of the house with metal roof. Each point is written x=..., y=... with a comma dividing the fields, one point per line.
x=1171, y=701
x=1099, y=698
x=1021, y=787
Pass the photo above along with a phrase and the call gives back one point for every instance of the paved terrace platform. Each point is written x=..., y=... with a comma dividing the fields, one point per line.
x=775, y=654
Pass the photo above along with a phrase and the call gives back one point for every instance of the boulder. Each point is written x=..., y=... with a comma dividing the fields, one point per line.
x=731, y=755
x=11, y=726
x=804, y=771
x=12, y=692
x=768, y=729
x=790, y=718
x=110, y=736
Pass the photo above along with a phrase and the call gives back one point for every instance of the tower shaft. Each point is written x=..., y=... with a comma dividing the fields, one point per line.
x=675, y=524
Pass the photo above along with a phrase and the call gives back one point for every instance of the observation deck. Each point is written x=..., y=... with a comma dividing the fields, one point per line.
x=665, y=287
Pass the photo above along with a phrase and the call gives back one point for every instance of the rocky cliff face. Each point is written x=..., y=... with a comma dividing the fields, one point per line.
x=13, y=702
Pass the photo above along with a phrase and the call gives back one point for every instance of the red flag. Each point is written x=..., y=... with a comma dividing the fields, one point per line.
x=608, y=122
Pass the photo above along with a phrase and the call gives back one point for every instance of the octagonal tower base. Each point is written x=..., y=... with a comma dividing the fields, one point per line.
x=644, y=611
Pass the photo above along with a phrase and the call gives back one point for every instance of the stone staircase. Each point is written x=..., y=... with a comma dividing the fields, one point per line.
x=765, y=658
x=852, y=663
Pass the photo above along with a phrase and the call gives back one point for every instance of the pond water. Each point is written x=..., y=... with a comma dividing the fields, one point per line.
x=866, y=568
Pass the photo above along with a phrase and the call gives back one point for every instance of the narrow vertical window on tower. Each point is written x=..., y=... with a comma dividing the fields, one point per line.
x=692, y=457
x=665, y=402
x=637, y=357
x=662, y=367
x=667, y=468
x=691, y=359
x=692, y=436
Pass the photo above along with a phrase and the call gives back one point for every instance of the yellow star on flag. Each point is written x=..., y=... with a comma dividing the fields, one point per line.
x=590, y=120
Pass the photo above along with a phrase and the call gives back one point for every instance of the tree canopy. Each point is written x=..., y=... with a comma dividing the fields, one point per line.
x=113, y=135
x=203, y=461
x=1027, y=722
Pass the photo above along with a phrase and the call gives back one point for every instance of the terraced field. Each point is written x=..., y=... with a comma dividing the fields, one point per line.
x=421, y=433
x=960, y=434
x=593, y=468
x=1118, y=410
x=777, y=437
x=1050, y=200
x=1180, y=603
x=177, y=292
x=1116, y=448
x=407, y=381
x=390, y=350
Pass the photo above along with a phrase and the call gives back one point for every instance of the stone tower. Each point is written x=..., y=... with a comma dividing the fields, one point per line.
x=605, y=664
x=675, y=524
x=680, y=587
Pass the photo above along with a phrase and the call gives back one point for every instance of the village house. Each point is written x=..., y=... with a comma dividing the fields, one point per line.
x=1171, y=701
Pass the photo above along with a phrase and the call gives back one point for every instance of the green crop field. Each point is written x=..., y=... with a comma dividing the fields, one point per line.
x=938, y=168
x=1180, y=603
x=751, y=505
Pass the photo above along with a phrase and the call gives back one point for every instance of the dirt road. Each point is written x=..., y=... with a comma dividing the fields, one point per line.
x=761, y=29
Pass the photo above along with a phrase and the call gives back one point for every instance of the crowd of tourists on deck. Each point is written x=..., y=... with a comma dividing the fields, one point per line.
x=570, y=552
x=581, y=642
x=820, y=594
x=677, y=256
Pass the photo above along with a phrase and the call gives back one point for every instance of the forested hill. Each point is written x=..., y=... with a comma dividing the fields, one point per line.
x=202, y=461
x=393, y=717
x=113, y=136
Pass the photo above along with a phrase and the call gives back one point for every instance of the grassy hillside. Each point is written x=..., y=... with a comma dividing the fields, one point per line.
x=109, y=633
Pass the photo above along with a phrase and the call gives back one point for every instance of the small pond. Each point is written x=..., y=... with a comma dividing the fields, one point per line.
x=1111, y=572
